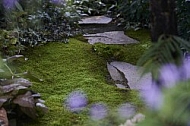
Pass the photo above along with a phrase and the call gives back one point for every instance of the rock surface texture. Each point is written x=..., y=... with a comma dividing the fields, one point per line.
x=118, y=77
x=132, y=74
x=95, y=20
x=112, y=37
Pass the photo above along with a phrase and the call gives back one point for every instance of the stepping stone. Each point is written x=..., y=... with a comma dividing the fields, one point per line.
x=95, y=20
x=117, y=77
x=133, y=75
x=113, y=37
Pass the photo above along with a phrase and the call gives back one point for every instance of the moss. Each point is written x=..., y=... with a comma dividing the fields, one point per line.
x=128, y=53
x=134, y=51
x=109, y=52
x=65, y=68
x=80, y=37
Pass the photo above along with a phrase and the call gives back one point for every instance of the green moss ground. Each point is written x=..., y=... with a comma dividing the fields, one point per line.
x=74, y=66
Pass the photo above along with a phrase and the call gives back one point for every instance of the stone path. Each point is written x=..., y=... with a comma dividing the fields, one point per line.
x=124, y=75
x=111, y=37
x=95, y=20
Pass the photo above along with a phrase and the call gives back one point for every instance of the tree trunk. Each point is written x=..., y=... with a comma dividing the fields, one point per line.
x=163, y=18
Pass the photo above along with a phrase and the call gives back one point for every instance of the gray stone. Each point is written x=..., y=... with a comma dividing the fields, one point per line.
x=118, y=77
x=133, y=75
x=95, y=20
x=120, y=86
x=113, y=37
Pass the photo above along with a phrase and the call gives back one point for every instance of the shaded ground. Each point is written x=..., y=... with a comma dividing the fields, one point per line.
x=68, y=67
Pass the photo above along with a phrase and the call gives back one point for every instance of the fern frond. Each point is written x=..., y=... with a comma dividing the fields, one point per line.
x=166, y=50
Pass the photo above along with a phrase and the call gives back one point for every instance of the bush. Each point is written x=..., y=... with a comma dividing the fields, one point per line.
x=134, y=13
x=9, y=44
x=183, y=14
x=94, y=7
x=41, y=21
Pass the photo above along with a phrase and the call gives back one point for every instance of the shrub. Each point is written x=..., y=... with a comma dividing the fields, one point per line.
x=94, y=7
x=9, y=42
x=41, y=21
x=183, y=15
x=134, y=13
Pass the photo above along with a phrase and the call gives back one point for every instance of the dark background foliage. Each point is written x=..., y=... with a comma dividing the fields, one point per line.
x=40, y=21
x=183, y=13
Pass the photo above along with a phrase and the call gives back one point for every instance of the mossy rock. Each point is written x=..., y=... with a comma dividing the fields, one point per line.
x=109, y=52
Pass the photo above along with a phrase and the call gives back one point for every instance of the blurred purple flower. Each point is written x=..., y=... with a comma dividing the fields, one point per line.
x=153, y=96
x=185, y=70
x=169, y=75
x=57, y=1
x=188, y=124
x=9, y=4
x=126, y=110
x=98, y=111
x=76, y=101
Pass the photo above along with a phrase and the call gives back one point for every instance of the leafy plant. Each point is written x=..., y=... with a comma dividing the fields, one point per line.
x=170, y=98
x=183, y=15
x=168, y=49
x=41, y=21
x=134, y=13
x=94, y=7
x=9, y=42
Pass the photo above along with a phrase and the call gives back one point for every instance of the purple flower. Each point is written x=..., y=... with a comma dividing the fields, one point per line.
x=57, y=1
x=152, y=97
x=185, y=70
x=169, y=75
x=126, y=110
x=98, y=111
x=9, y=4
x=188, y=124
x=76, y=101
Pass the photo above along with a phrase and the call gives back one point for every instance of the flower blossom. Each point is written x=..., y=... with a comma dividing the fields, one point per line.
x=185, y=70
x=76, y=101
x=98, y=111
x=126, y=110
x=153, y=96
x=9, y=4
x=57, y=1
x=169, y=75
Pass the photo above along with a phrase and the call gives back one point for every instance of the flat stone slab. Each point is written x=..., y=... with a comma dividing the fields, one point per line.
x=117, y=77
x=95, y=20
x=133, y=75
x=113, y=37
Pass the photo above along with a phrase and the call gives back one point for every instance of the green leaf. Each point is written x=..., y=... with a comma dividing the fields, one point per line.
x=18, y=6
